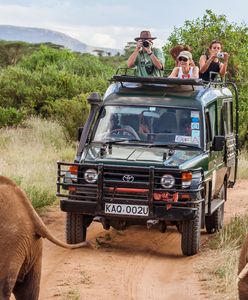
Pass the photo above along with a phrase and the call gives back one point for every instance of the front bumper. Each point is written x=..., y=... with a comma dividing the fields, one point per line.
x=90, y=199
x=160, y=212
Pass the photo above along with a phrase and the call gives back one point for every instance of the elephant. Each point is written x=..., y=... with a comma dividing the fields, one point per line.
x=242, y=280
x=21, y=233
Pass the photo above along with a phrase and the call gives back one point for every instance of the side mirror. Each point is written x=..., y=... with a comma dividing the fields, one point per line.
x=218, y=143
x=80, y=130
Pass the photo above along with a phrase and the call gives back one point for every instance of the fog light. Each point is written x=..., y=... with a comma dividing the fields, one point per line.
x=90, y=176
x=167, y=181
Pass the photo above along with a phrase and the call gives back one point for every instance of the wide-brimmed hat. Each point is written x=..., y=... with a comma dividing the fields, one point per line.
x=145, y=35
x=185, y=54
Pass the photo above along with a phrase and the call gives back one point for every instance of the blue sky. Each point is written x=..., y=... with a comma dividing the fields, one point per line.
x=110, y=23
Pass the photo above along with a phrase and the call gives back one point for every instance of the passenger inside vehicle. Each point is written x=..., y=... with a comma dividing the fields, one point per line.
x=167, y=123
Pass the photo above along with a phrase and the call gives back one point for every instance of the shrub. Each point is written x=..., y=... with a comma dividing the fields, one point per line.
x=11, y=116
x=71, y=114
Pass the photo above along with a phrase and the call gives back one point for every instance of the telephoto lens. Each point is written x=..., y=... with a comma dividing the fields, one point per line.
x=145, y=44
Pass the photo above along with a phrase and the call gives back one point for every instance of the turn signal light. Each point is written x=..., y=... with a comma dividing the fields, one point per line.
x=186, y=179
x=73, y=170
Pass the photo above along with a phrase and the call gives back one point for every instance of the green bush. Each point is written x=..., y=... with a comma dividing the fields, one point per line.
x=71, y=114
x=11, y=116
x=40, y=198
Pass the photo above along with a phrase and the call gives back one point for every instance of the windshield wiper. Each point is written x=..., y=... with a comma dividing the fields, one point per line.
x=172, y=146
x=123, y=141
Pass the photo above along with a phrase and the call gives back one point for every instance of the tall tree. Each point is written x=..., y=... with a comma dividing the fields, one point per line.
x=199, y=33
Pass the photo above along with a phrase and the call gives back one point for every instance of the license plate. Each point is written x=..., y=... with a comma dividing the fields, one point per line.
x=126, y=209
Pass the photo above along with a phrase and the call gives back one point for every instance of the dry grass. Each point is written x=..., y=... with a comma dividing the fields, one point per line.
x=243, y=165
x=218, y=265
x=217, y=272
x=29, y=155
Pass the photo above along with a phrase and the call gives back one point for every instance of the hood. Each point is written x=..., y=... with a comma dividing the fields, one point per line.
x=147, y=156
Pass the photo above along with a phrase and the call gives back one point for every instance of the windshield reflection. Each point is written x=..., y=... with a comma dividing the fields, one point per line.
x=154, y=125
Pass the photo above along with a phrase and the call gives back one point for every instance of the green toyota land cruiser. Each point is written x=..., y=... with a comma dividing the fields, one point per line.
x=154, y=152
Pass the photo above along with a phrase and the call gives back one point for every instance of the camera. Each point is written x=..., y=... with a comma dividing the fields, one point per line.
x=220, y=55
x=145, y=44
x=149, y=69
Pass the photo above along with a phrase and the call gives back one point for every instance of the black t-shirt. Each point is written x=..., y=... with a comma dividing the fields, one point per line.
x=213, y=67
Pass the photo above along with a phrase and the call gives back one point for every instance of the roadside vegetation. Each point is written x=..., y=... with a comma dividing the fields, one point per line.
x=219, y=262
x=29, y=155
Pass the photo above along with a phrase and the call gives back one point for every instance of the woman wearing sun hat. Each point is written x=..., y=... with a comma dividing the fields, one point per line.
x=184, y=69
x=148, y=60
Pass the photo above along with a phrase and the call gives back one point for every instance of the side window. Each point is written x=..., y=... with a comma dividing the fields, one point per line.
x=208, y=128
x=227, y=112
x=212, y=119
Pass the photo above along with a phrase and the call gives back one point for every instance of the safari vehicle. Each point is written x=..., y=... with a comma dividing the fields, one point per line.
x=154, y=152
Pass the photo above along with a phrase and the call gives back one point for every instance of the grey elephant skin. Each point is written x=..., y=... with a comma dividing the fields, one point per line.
x=243, y=271
x=21, y=233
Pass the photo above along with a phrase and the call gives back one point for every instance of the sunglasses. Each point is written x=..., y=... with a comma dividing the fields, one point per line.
x=183, y=59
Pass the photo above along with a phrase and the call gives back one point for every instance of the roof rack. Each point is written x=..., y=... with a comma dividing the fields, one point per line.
x=157, y=80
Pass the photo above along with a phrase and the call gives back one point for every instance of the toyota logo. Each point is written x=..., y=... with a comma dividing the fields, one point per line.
x=128, y=178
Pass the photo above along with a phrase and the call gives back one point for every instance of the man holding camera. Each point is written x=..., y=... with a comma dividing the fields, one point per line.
x=149, y=61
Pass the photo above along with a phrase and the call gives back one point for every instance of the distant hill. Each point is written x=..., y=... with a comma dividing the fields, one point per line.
x=39, y=35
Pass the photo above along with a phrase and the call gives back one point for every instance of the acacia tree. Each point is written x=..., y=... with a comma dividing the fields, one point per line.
x=199, y=33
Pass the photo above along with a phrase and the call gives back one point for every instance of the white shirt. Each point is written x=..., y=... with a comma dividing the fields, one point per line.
x=185, y=76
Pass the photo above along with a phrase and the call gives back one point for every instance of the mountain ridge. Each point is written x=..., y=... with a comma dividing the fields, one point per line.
x=42, y=35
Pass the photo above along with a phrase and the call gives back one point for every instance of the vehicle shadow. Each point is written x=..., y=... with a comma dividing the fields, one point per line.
x=140, y=241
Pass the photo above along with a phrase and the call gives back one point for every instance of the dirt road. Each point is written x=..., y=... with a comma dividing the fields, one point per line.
x=135, y=264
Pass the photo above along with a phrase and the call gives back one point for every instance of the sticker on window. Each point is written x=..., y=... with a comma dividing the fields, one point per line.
x=183, y=139
x=195, y=140
x=195, y=133
x=195, y=126
x=194, y=120
x=194, y=114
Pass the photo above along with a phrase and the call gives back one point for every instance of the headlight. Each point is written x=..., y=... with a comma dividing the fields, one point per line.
x=167, y=181
x=91, y=176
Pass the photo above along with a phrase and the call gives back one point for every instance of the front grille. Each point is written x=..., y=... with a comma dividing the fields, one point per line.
x=120, y=184
x=126, y=184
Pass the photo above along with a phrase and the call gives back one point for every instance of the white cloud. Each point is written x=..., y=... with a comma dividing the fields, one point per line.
x=111, y=23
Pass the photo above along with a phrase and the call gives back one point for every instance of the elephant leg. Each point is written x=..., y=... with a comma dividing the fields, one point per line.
x=243, y=289
x=30, y=287
x=7, y=283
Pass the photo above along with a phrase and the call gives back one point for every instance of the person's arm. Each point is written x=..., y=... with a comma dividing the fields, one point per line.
x=174, y=73
x=223, y=66
x=156, y=61
x=156, y=56
x=195, y=72
x=132, y=58
x=205, y=63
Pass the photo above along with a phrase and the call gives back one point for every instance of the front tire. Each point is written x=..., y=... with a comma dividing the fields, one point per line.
x=191, y=230
x=75, y=228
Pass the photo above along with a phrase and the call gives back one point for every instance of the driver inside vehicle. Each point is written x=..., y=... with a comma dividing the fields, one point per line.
x=120, y=130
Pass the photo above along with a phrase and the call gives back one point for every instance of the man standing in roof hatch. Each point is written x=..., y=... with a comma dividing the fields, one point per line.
x=149, y=61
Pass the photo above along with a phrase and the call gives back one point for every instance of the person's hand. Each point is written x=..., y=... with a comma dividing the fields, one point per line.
x=149, y=48
x=213, y=56
x=139, y=45
x=226, y=56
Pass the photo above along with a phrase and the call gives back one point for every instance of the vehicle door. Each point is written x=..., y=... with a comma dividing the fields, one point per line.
x=228, y=131
x=216, y=165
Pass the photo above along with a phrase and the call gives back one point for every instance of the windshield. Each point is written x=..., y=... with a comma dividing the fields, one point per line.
x=153, y=125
